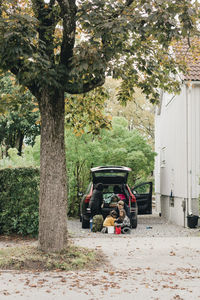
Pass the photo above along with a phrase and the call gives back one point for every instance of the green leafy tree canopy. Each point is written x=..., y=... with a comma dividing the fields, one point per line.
x=38, y=37
x=19, y=115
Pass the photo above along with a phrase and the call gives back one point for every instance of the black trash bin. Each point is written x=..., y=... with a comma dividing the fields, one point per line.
x=192, y=221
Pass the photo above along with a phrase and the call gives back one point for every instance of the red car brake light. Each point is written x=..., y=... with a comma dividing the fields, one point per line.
x=132, y=197
x=87, y=198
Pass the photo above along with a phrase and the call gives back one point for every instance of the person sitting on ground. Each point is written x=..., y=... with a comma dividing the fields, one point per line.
x=96, y=200
x=120, y=219
x=122, y=205
x=123, y=222
x=110, y=219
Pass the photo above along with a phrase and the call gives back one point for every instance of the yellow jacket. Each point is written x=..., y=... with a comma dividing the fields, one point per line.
x=109, y=221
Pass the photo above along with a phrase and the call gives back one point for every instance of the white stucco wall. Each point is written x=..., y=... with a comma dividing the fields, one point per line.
x=177, y=143
x=170, y=145
x=175, y=214
x=194, y=151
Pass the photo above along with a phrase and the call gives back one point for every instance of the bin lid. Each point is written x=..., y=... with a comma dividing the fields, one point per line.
x=192, y=216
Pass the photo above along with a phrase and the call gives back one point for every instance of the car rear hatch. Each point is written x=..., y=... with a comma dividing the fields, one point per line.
x=110, y=174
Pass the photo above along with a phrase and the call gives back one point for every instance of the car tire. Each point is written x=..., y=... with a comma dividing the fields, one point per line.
x=134, y=223
x=85, y=223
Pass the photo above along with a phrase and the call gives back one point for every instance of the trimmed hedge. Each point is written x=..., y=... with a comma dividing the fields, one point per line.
x=19, y=201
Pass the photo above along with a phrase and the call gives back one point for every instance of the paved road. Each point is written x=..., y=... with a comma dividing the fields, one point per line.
x=158, y=263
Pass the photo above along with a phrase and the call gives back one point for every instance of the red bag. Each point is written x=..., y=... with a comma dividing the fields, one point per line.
x=117, y=230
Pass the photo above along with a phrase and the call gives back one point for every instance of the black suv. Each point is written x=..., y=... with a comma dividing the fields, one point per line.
x=110, y=176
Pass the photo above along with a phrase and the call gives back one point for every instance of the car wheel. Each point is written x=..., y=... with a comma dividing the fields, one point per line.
x=134, y=223
x=85, y=223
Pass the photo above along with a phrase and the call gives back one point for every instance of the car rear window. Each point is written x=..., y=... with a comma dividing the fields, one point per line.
x=110, y=174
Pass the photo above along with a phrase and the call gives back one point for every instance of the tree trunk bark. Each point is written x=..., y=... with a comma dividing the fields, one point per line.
x=19, y=143
x=53, y=191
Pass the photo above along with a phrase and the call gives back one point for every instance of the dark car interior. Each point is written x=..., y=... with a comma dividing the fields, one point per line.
x=139, y=198
x=109, y=179
x=143, y=194
x=108, y=193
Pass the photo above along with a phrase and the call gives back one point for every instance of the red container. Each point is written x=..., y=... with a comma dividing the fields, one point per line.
x=117, y=230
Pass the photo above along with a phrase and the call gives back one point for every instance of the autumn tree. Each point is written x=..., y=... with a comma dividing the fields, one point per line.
x=126, y=38
x=85, y=112
x=138, y=112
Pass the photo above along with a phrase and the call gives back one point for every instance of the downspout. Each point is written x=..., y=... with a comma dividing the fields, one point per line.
x=188, y=156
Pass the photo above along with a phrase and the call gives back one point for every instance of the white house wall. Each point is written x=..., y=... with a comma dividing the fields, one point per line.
x=157, y=163
x=172, y=147
x=177, y=143
x=194, y=95
x=194, y=145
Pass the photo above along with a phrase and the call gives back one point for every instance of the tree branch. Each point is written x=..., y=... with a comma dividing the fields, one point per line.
x=47, y=22
x=32, y=87
x=80, y=87
x=68, y=11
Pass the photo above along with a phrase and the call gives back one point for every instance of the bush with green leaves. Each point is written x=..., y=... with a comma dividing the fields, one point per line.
x=19, y=201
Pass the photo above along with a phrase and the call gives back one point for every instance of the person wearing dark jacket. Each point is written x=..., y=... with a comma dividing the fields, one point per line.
x=96, y=200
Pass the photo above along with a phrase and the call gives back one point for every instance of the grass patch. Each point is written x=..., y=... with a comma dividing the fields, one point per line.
x=31, y=258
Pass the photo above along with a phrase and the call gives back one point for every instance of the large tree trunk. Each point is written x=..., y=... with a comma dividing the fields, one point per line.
x=53, y=195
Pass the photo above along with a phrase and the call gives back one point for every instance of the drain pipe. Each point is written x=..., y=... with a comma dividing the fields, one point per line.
x=188, y=155
x=184, y=211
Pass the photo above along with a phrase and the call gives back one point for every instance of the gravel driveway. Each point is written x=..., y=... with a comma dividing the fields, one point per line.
x=160, y=228
x=158, y=263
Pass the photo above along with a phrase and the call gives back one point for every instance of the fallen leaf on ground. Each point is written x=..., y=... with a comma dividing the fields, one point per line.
x=33, y=285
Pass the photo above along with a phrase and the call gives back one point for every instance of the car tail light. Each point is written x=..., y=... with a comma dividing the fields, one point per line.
x=132, y=197
x=87, y=198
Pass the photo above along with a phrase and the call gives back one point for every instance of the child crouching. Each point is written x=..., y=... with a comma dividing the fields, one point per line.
x=109, y=221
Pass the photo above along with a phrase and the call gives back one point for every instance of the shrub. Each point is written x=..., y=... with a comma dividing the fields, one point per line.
x=19, y=197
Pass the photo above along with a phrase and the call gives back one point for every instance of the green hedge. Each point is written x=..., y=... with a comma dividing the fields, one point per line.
x=19, y=196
